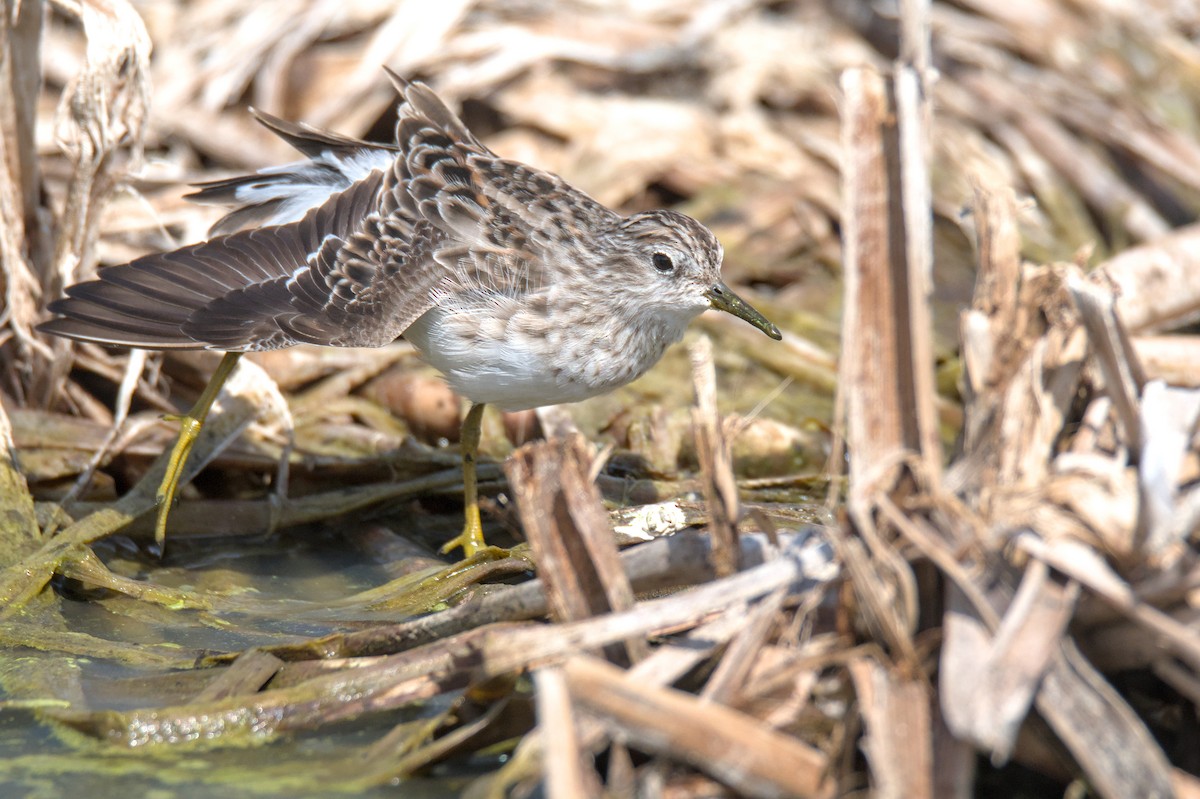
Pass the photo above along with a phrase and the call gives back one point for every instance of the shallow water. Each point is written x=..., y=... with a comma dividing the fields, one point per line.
x=42, y=757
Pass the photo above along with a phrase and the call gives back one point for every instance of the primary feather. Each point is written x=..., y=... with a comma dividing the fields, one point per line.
x=334, y=258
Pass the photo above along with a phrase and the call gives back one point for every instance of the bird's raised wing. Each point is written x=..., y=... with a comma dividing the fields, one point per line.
x=441, y=216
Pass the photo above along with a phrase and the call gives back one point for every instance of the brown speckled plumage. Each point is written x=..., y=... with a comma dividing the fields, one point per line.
x=523, y=290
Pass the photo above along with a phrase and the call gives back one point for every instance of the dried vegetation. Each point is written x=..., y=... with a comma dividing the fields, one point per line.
x=1008, y=574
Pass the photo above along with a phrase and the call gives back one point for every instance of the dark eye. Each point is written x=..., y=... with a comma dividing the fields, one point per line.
x=663, y=262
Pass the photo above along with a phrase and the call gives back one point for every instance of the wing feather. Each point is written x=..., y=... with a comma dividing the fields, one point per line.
x=438, y=218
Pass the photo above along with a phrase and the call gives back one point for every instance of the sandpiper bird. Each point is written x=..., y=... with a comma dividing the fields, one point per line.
x=520, y=288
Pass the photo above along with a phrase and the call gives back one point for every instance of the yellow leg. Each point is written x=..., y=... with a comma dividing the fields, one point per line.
x=189, y=431
x=471, y=538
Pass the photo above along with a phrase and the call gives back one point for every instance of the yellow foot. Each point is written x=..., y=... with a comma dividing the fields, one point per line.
x=470, y=539
x=474, y=548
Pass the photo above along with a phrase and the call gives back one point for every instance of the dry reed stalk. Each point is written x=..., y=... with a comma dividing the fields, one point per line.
x=24, y=235
x=889, y=409
x=569, y=533
x=716, y=466
x=734, y=748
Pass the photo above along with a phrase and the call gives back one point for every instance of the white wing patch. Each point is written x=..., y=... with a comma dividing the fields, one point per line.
x=303, y=185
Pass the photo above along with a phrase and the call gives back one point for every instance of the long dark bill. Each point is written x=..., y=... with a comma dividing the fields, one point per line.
x=723, y=299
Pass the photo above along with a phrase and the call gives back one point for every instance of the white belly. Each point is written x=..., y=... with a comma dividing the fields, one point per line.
x=516, y=372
